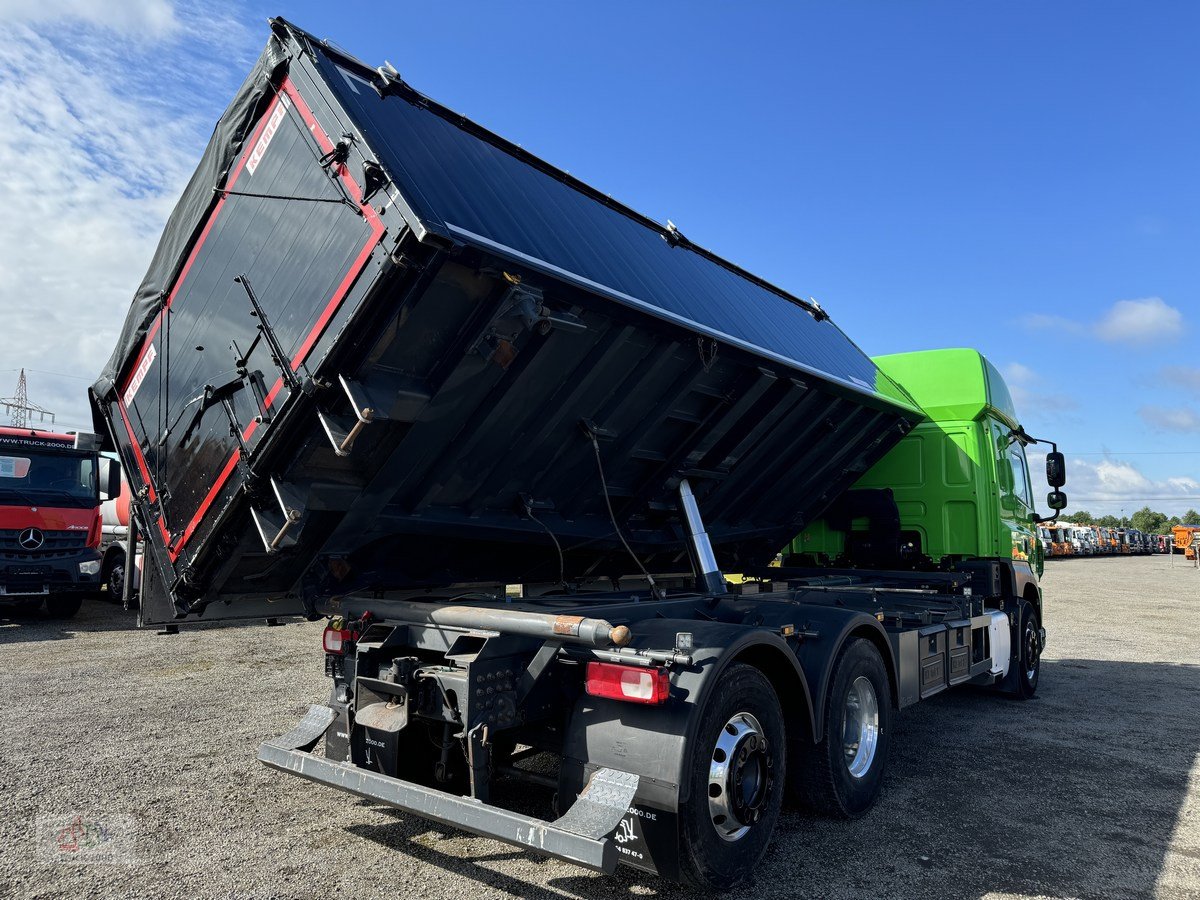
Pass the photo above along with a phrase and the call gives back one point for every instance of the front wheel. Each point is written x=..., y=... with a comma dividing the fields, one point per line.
x=737, y=775
x=842, y=774
x=1029, y=655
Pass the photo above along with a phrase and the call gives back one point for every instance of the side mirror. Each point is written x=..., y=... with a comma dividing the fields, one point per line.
x=1056, y=500
x=1056, y=471
x=110, y=478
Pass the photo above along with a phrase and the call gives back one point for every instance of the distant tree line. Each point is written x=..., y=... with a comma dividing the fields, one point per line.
x=1145, y=519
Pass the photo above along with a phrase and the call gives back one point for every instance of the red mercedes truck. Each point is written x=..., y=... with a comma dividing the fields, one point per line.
x=51, y=487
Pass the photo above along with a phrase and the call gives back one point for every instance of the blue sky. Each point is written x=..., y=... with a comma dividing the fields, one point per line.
x=1019, y=177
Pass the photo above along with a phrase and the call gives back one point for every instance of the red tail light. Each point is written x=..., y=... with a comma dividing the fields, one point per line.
x=634, y=684
x=336, y=640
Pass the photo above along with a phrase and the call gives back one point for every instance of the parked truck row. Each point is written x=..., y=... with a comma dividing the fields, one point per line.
x=1065, y=539
x=388, y=369
x=1058, y=539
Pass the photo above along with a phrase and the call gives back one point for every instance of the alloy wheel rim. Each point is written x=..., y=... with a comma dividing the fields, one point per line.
x=740, y=777
x=860, y=727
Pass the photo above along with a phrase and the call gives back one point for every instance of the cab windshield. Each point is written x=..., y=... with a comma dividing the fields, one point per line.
x=47, y=478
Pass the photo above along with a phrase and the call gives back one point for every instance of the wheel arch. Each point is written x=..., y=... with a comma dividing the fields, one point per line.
x=112, y=552
x=1033, y=594
x=877, y=637
x=818, y=656
x=782, y=669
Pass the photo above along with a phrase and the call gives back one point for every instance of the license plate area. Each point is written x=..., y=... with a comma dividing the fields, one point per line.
x=23, y=590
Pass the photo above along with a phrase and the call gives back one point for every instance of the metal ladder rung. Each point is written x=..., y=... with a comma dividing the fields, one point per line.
x=278, y=527
x=342, y=431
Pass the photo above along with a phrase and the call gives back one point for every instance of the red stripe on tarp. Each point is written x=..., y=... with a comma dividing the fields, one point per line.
x=151, y=494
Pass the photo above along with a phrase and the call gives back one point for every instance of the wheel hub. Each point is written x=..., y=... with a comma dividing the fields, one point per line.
x=740, y=777
x=860, y=726
x=1033, y=651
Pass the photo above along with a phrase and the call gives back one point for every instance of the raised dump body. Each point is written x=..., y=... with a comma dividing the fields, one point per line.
x=380, y=347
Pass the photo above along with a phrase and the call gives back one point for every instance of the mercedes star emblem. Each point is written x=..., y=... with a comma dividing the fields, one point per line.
x=30, y=539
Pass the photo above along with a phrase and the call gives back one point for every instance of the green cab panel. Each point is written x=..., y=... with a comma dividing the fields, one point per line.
x=951, y=385
x=960, y=483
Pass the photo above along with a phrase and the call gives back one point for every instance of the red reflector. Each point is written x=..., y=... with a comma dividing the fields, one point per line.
x=336, y=639
x=635, y=684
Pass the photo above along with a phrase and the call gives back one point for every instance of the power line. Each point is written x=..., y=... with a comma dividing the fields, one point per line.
x=55, y=374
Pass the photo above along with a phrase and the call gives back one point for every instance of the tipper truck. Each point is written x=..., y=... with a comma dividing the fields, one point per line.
x=508, y=437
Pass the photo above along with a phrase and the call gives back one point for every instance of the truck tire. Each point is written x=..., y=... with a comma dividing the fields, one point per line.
x=1029, y=652
x=113, y=576
x=63, y=606
x=737, y=774
x=842, y=774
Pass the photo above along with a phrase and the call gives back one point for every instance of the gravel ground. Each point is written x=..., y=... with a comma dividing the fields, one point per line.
x=1091, y=790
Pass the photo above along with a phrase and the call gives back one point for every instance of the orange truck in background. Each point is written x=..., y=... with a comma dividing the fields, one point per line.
x=1185, y=536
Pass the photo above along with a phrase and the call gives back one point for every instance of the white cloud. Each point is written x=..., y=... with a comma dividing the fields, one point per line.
x=100, y=138
x=144, y=18
x=1109, y=485
x=1141, y=322
x=1036, y=398
x=1018, y=374
x=1171, y=418
x=1145, y=321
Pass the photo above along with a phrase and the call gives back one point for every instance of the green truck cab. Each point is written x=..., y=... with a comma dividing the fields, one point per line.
x=957, y=485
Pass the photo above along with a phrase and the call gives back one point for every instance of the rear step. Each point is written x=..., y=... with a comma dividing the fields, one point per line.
x=581, y=836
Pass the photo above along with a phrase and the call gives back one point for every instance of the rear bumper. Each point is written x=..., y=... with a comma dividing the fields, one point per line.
x=582, y=836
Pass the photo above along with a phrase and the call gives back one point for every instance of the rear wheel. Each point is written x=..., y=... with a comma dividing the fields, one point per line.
x=736, y=776
x=63, y=606
x=842, y=774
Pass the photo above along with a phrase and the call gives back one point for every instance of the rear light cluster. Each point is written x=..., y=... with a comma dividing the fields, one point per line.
x=338, y=640
x=339, y=636
x=633, y=684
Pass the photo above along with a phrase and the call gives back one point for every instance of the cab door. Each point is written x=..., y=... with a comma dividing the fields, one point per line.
x=1016, y=500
